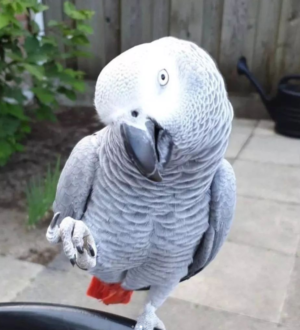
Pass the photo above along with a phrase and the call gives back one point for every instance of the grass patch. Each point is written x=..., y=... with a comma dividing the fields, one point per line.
x=40, y=194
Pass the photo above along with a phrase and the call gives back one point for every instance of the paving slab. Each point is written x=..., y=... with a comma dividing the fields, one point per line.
x=69, y=287
x=241, y=131
x=298, y=249
x=15, y=276
x=267, y=224
x=274, y=149
x=60, y=262
x=181, y=315
x=242, y=279
x=291, y=309
x=268, y=181
x=265, y=128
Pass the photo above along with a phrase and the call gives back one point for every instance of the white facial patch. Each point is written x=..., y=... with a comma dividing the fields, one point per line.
x=159, y=97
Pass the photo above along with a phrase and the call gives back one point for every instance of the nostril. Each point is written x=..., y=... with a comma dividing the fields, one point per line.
x=134, y=113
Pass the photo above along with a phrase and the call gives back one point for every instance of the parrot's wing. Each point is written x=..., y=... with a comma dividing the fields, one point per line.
x=76, y=180
x=222, y=207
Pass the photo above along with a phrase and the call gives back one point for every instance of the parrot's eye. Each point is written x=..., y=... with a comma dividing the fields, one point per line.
x=163, y=77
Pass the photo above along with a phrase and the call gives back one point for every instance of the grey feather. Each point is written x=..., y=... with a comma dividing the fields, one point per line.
x=222, y=208
x=76, y=180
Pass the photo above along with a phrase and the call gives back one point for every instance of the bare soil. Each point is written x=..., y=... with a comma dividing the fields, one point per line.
x=46, y=142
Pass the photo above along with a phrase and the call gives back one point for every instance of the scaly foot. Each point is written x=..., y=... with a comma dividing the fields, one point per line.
x=78, y=243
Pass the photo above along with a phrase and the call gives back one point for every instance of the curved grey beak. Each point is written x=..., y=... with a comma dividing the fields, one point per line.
x=149, y=150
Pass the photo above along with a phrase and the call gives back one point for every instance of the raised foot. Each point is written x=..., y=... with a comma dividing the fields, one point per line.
x=78, y=243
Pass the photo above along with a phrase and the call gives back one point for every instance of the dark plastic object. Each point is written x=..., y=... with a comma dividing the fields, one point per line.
x=31, y=316
x=284, y=108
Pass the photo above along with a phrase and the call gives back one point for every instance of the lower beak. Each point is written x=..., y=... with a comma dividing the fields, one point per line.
x=149, y=149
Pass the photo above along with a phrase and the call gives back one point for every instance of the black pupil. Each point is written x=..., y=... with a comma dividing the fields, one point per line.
x=163, y=77
x=134, y=113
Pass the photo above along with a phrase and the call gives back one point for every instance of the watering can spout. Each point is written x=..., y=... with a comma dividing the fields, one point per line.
x=242, y=69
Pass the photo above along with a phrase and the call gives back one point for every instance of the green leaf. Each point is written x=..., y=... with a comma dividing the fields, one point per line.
x=35, y=28
x=5, y=149
x=19, y=147
x=31, y=45
x=8, y=126
x=48, y=40
x=72, y=73
x=38, y=57
x=44, y=95
x=53, y=23
x=79, y=40
x=35, y=70
x=13, y=93
x=45, y=112
x=39, y=8
x=78, y=86
x=79, y=53
x=25, y=128
x=71, y=95
x=4, y=20
x=84, y=28
x=18, y=7
x=16, y=111
x=71, y=11
x=48, y=48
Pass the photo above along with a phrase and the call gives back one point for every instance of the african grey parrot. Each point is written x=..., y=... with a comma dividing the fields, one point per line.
x=148, y=201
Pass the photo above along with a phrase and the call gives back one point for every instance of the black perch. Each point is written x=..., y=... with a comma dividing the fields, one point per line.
x=34, y=316
x=284, y=108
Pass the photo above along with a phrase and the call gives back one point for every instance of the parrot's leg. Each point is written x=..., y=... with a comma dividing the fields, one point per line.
x=156, y=297
x=78, y=243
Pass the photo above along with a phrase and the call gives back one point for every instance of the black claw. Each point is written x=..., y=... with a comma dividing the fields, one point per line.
x=79, y=249
x=73, y=261
x=54, y=220
x=92, y=252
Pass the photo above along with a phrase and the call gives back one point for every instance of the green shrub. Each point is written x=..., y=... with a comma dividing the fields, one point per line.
x=40, y=194
x=26, y=54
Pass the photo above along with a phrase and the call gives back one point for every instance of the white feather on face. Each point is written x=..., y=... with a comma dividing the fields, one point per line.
x=190, y=105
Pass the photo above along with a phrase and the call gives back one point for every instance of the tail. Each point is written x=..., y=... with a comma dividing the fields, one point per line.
x=108, y=293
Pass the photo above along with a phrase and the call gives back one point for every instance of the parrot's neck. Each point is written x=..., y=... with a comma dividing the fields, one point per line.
x=188, y=169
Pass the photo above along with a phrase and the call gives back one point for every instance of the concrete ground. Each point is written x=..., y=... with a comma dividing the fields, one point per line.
x=253, y=284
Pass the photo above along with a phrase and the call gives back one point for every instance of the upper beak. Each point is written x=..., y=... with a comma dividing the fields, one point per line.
x=149, y=149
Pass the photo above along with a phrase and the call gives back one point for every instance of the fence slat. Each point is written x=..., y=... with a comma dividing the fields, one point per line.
x=212, y=24
x=112, y=29
x=54, y=13
x=186, y=19
x=136, y=22
x=265, y=43
x=161, y=12
x=288, y=43
x=92, y=66
x=238, y=37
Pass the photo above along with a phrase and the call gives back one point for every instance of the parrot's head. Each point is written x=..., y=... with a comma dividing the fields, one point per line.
x=163, y=95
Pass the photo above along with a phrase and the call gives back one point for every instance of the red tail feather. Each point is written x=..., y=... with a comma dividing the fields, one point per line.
x=108, y=293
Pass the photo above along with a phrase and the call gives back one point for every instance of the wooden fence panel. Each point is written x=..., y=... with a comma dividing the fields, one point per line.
x=160, y=18
x=186, y=20
x=265, y=44
x=266, y=32
x=287, y=59
x=238, y=38
x=212, y=25
x=54, y=13
x=136, y=22
x=111, y=29
x=92, y=66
